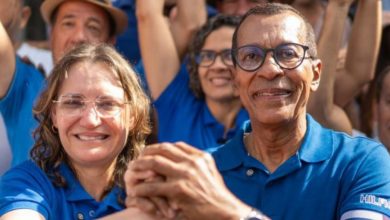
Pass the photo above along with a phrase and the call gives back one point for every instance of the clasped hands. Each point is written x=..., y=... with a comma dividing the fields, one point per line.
x=177, y=181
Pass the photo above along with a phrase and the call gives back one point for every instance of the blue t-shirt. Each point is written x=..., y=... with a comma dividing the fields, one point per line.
x=26, y=186
x=16, y=107
x=331, y=174
x=183, y=117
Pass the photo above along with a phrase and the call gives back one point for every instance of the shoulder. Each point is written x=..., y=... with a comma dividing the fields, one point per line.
x=26, y=186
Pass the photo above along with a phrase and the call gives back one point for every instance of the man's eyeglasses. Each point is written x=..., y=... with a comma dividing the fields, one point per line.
x=74, y=105
x=206, y=58
x=288, y=56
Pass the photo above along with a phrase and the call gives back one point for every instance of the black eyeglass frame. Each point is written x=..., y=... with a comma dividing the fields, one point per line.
x=266, y=50
x=216, y=54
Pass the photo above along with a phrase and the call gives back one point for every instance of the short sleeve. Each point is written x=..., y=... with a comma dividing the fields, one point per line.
x=25, y=187
x=369, y=183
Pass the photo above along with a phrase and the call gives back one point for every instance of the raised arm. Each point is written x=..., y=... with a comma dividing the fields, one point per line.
x=362, y=52
x=160, y=53
x=7, y=61
x=190, y=16
x=321, y=103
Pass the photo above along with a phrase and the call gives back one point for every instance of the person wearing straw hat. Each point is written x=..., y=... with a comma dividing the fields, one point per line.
x=73, y=22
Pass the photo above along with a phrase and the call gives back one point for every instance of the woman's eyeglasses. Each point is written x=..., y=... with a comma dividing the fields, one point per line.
x=206, y=58
x=75, y=105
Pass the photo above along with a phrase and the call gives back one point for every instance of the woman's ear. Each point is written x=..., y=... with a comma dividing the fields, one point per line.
x=53, y=116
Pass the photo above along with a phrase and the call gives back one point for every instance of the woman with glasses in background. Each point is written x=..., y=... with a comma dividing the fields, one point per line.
x=93, y=119
x=199, y=104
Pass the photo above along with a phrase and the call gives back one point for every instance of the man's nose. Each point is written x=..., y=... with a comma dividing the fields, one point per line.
x=79, y=36
x=270, y=68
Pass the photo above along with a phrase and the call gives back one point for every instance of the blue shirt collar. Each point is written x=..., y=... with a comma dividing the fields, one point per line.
x=75, y=191
x=317, y=146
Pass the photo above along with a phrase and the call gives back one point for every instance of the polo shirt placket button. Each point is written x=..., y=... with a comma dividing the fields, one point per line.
x=91, y=213
x=80, y=216
x=250, y=172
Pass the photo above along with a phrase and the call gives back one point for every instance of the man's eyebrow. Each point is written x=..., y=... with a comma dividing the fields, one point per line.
x=94, y=19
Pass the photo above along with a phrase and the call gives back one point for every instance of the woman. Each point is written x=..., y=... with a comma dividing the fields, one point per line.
x=93, y=119
x=198, y=105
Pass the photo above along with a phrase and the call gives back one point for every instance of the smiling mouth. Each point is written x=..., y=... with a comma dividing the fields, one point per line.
x=220, y=81
x=272, y=93
x=91, y=138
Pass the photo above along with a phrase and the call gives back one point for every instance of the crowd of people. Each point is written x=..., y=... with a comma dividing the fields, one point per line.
x=195, y=109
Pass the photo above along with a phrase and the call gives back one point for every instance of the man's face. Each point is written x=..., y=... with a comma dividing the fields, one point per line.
x=237, y=7
x=383, y=112
x=271, y=94
x=78, y=22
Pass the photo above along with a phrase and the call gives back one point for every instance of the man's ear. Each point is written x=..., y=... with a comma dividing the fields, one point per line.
x=316, y=68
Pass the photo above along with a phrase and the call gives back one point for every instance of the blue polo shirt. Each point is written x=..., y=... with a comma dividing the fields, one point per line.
x=26, y=186
x=331, y=174
x=16, y=107
x=183, y=117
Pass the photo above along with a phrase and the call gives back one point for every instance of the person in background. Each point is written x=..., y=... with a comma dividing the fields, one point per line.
x=236, y=7
x=382, y=98
x=127, y=43
x=367, y=119
x=35, y=46
x=20, y=82
x=73, y=22
x=14, y=15
x=281, y=162
x=87, y=134
x=198, y=105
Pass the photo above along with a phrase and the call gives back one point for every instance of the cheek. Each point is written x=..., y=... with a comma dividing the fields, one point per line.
x=383, y=111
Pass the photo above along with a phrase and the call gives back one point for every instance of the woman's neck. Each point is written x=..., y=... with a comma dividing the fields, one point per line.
x=95, y=180
x=225, y=112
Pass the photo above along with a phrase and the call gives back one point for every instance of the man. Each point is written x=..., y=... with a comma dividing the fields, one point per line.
x=282, y=162
x=72, y=23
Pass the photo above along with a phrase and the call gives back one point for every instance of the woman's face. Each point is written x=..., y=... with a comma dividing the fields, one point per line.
x=383, y=112
x=217, y=79
x=92, y=133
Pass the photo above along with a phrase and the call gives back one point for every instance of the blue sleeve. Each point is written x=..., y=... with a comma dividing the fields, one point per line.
x=26, y=84
x=178, y=91
x=369, y=181
x=25, y=187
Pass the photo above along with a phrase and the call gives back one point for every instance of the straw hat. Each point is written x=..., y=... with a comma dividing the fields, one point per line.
x=119, y=17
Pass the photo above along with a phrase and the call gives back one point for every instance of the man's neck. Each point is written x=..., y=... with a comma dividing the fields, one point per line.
x=274, y=145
